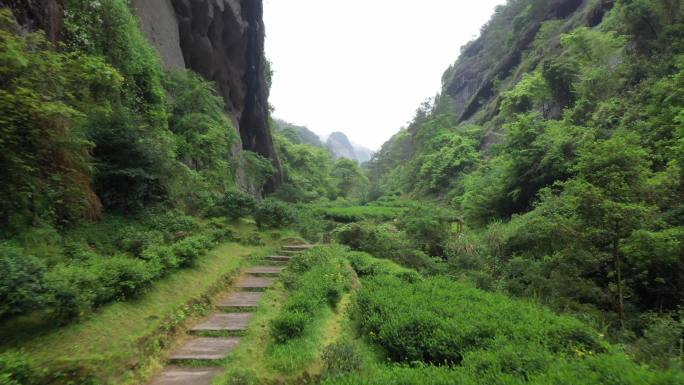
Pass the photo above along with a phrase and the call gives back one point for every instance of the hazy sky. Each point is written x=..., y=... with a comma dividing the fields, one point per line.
x=363, y=66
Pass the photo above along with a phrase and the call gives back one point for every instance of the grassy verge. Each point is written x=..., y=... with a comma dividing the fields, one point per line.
x=124, y=342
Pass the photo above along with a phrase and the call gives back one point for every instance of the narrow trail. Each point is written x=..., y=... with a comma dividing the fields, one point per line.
x=200, y=359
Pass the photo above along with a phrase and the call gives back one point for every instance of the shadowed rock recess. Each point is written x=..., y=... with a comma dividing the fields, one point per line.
x=222, y=40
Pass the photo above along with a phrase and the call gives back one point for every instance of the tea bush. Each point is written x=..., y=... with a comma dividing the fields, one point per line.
x=439, y=321
x=188, y=250
x=438, y=331
x=21, y=282
x=162, y=256
x=272, y=214
x=385, y=241
x=614, y=369
x=236, y=204
x=170, y=222
x=289, y=325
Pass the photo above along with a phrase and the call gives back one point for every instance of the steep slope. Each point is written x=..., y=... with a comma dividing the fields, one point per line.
x=340, y=146
x=224, y=42
x=558, y=133
x=298, y=134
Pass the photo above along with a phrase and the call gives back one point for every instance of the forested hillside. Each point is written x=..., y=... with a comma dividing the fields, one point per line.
x=527, y=227
x=558, y=137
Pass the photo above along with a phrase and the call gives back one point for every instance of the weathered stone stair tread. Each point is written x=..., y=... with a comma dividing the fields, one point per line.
x=186, y=376
x=280, y=258
x=265, y=270
x=224, y=322
x=298, y=247
x=241, y=299
x=252, y=282
x=202, y=348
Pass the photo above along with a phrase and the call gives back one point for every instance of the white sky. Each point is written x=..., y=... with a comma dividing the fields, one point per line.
x=363, y=66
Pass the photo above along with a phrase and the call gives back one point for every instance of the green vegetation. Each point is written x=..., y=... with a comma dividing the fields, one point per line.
x=566, y=167
x=103, y=346
x=294, y=321
x=527, y=227
x=438, y=331
x=312, y=174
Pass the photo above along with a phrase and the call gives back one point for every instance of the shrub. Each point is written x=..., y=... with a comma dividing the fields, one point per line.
x=310, y=224
x=342, y=357
x=236, y=204
x=170, y=222
x=439, y=321
x=660, y=344
x=73, y=290
x=289, y=325
x=271, y=213
x=18, y=369
x=189, y=249
x=428, y=226
x=127, y=277
x=385, y=241
x=21, y=282
x=134, y=240
x=162, y=256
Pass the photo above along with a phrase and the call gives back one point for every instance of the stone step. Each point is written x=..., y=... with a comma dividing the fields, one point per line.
x=204, y=348
x=173, y=375
x=280, y=258
x=298, y=247
x=240, y=299
x=252, y=282
x=231, y=322
x=266, y=270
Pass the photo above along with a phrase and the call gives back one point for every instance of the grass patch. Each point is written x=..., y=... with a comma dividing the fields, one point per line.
x=295, y=356
x=125, y=341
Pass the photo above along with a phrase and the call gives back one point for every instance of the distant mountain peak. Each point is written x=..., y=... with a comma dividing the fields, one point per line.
x=337, y=142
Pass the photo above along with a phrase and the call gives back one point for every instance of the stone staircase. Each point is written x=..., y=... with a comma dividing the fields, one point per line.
x=216, y=336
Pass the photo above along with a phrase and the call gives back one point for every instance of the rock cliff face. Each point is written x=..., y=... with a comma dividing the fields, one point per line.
x=222, y=40
x=35, y=14
x=471, y=82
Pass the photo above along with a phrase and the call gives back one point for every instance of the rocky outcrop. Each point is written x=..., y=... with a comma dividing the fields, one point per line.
x=483, y=62
x=222, y=40
x=159, y=22
x=38, y=14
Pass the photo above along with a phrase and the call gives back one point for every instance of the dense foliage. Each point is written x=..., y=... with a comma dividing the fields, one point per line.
x=107, y=162
x=569, y=171
x=312, y=173
x=437, y=331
